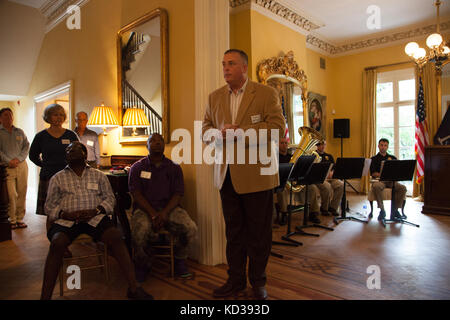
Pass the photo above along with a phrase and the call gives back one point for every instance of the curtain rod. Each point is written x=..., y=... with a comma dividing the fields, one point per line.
x=388, y=65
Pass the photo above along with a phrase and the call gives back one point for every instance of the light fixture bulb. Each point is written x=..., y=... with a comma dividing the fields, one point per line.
x=410, y=48
x=446, y=50
x=434, y=40
x=420, y=54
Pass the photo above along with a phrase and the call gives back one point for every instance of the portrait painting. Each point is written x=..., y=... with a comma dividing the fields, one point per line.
x=317, y=112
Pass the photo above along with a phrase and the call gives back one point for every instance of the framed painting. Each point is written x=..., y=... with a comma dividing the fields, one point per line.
x=317, y=112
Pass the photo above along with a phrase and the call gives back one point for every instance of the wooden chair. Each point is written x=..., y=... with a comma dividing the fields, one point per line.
x=86, y=241
x=166, y=244
x=387, y=195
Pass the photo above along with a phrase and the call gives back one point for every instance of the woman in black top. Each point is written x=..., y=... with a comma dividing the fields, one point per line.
x=48, y=150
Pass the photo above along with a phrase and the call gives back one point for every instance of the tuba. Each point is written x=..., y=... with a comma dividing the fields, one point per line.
x=307, y=146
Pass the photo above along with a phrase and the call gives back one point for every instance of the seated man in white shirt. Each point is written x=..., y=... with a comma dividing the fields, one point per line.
x=79, y=200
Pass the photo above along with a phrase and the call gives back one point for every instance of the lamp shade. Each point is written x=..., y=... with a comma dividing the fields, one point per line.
x=420, y=53
x=135, y=117
x=410, y=48
x=103, y=117
x=434, y=40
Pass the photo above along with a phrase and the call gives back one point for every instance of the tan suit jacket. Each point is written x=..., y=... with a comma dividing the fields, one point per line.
x=259, y=109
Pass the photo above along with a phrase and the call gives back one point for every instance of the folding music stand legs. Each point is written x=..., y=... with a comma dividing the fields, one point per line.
x=289, y=233
x=393, y=218
x=344, y=211
x=306, y=218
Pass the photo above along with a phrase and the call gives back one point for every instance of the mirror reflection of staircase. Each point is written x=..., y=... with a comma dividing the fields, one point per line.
x=132, y=54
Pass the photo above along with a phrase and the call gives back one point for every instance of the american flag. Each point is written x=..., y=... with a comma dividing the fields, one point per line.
x=421, y=134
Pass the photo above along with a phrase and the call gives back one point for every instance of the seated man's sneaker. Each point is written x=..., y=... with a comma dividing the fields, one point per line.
x=181, y=269
x=139, y=294
x=313, y=217
x=382, y=215
x=228, y=289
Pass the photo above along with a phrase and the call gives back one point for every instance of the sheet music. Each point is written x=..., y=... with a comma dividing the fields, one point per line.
x=366, y=168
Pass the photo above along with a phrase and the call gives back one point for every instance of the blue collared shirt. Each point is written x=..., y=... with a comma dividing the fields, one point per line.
x=13, y=145
x=90, y=140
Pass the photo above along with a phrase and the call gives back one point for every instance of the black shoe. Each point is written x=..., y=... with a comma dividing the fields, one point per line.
x=324, y=212
x=397, y=216
x=333, y=212
x=259, y=293
x=139, y=294
x=228, y=289
x=382, y=215
x=313, y=217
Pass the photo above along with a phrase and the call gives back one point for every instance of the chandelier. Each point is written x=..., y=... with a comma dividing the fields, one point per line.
x=439, y=51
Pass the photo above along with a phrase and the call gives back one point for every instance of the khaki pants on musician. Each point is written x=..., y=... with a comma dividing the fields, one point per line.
x=299, y=198
x=331, y=192
x=16, y=183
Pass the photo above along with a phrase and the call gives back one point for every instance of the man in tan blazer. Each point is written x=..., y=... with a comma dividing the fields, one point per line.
x=240, y=110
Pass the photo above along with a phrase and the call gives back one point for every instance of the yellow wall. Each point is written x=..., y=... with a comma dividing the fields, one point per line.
x=270, y=38
x=88, y=57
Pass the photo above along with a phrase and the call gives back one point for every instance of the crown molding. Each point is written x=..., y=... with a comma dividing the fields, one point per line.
x=55, y=11
x=293, y=20
x=277, y=12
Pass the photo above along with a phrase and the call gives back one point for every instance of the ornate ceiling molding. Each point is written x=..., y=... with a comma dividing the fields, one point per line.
x=281, y=11
x=55, y=11
x=373, y=42
x=315, y=42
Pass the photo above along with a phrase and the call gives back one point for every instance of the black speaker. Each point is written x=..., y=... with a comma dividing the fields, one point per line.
x=341, y=128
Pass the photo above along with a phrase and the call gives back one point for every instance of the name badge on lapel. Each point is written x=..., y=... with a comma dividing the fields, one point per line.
x=92, y=186
x=146, y=174
x=256, y=118
x=19, y=138
x=65, y=141
x=90, y=143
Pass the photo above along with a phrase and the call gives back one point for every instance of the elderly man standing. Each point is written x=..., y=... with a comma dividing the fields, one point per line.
x=157, y=186
x=79, y=201
x=14, y=147
x=246, y=193
x=89, y=138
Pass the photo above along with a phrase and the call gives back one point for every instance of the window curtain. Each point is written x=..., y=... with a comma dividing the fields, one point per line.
x=369, y=119
x=433, y=116
x=288, y=89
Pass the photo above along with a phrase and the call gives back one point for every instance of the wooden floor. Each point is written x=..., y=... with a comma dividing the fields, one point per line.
x=414, y=263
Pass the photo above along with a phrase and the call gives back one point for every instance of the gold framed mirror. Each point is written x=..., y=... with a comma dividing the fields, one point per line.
x=143, y=78
x=284, y=74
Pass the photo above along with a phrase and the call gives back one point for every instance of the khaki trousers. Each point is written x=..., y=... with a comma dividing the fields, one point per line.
x=16, y=183
x=299, y=198
x=331, y=192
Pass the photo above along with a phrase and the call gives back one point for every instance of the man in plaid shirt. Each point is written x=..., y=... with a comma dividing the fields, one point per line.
x=79, y=200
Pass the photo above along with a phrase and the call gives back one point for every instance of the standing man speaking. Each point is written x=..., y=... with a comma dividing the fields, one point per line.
x=247, y=195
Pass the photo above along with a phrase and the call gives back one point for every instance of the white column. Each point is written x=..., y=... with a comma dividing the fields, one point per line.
x=211, y=41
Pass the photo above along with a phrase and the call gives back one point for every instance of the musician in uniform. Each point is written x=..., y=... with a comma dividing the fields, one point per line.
x=331, y=190
x=378, y=187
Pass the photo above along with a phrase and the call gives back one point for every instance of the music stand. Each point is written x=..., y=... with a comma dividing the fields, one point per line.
x=283, y=171
x=298, y=171
x=347, y=168
x=397, y=170
x=317, y=174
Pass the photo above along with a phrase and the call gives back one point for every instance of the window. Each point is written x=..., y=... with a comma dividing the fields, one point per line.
x=396, y=97
x=297, y=113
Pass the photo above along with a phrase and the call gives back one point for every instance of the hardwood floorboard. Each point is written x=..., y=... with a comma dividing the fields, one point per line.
x=413, y=263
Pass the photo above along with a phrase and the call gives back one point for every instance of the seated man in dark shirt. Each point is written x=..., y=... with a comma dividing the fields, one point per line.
x=378, y=187
x=331, y=190
x=157, y=186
